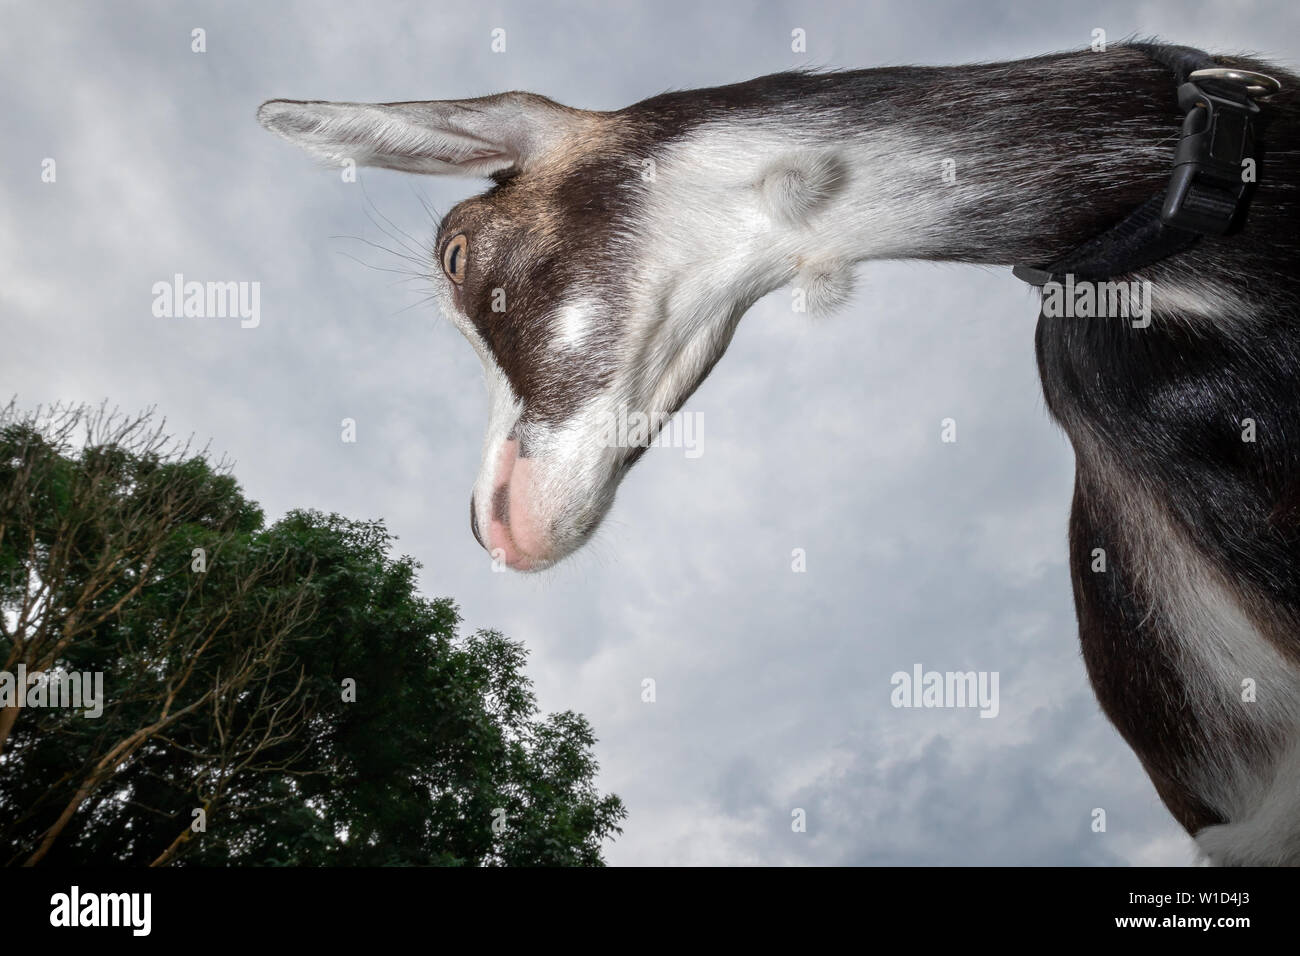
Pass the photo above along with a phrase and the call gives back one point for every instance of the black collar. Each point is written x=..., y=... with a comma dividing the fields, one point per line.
x=1208, y=192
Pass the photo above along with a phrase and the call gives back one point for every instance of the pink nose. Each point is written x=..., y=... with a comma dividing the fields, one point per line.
x=514, y=534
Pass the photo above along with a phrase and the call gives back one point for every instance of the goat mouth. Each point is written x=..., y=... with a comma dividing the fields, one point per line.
x=502, y=547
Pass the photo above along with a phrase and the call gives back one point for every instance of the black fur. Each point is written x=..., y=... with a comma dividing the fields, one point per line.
x=1168, y=403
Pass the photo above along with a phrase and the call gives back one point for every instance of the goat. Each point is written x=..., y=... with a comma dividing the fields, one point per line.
x=607, y=267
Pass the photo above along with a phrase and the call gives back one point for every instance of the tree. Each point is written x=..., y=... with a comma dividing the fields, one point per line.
x=275, y=694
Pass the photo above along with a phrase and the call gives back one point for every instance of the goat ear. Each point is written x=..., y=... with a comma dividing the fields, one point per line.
x=475, y=137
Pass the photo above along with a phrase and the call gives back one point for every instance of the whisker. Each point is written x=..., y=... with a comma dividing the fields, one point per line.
x=392, y=252
x=424, y=301
x=416, y=248
x=412, y=275
x=428, y=207
x=410, y=278
x=414, y=253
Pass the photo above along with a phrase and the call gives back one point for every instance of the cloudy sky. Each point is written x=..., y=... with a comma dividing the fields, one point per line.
x=773, y=687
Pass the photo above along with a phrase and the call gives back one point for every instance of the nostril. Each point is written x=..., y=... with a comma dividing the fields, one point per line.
x=473, y=522
x=501, y=504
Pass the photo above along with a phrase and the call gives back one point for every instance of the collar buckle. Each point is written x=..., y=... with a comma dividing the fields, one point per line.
x=1215, y=160
x=1210, y=185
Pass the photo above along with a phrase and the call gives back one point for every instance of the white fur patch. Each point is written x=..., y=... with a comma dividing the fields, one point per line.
x=735, y=212
x=796, y=186
x=1268, y=834
x=1200, y=300
x=826, y=286
x=1218, y=647
x=570, y=325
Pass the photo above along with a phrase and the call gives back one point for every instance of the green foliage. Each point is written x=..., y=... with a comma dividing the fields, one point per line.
x=224, y=687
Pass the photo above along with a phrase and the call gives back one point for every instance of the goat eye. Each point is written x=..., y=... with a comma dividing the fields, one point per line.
x=454, y=254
